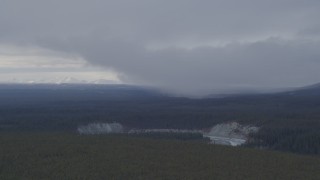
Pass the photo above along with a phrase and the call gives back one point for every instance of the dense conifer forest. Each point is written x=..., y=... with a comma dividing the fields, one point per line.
x=71, y=156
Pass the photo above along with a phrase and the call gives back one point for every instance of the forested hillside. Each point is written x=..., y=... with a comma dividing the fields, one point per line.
x=289, y=121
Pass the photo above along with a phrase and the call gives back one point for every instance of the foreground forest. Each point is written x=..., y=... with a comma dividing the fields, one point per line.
x=288, y=121
x=71, y=156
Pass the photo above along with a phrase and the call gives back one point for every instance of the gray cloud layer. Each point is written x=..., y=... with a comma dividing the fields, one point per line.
x=182, y=45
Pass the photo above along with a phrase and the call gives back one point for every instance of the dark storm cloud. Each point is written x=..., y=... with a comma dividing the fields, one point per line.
x=182, y=45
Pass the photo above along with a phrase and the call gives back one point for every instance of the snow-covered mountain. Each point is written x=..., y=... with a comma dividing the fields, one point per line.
x=65, y=80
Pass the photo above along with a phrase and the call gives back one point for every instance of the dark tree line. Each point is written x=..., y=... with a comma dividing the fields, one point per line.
x=299, y=140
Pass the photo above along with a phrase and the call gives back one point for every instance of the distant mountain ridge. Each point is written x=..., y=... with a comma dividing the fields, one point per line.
x=310, y=90
x=64, y=80
x=313, y=89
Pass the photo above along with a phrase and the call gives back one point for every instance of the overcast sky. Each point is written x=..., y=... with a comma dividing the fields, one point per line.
x=187, y=46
